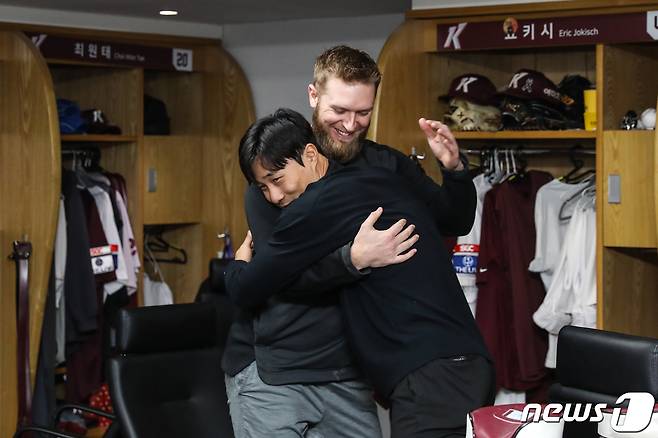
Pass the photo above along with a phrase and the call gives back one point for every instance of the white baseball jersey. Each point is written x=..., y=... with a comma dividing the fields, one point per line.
x=571, y=299
x=550, y=229
x=106, y=214
x=466, y=252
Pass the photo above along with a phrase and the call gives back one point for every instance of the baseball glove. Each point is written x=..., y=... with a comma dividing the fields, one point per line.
x=519, y=114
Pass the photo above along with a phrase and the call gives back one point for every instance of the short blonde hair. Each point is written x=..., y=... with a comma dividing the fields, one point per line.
x=347, y=64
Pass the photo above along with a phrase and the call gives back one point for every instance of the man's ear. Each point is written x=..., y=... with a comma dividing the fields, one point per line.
x=311, y=152
x=313, y=95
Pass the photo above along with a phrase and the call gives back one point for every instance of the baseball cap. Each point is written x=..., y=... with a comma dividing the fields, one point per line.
x=533, y=85
x=472, y=87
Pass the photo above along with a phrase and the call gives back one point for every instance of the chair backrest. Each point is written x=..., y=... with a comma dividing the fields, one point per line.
x=596, y=366
x=165, y=378
x=212, y=290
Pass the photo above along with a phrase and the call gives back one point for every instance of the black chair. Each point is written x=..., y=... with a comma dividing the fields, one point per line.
x=212, y=290
x=596, y=366
x=165, y=379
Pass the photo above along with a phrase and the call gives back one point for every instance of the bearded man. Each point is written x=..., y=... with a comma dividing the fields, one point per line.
x=289, y=369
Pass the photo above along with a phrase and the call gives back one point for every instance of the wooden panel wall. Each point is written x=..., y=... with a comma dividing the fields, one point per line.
x=177, y=162
x=406, y=76
x=655, y=174
x=227, y=119
x=182, y=279
x=630, y=296
x=182, y=93
x=629, y=80
x=115, y=91
x=632, y=222
x=29, y=189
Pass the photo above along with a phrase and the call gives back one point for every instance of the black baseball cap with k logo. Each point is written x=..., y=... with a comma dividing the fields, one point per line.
x=472, y=87
x=533, y=85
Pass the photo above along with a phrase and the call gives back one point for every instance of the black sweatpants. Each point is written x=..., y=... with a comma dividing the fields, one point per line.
x=433, y=401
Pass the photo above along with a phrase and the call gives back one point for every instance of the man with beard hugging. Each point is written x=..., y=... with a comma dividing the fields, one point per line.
x=289, y=371
x=409, y=324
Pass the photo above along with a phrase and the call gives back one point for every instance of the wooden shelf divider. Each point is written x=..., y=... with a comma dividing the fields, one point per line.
x=99, y=138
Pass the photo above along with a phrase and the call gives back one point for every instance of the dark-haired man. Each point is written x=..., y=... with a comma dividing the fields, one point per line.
x=409, y=324
x=298, y=343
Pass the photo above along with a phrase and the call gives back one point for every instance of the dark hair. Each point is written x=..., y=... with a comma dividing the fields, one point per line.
x=274, y=140
x=347, y=64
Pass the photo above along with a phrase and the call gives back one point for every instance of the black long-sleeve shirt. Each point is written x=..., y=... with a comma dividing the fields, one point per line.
x=299, y=335
x=398, y=317
x=291, y=331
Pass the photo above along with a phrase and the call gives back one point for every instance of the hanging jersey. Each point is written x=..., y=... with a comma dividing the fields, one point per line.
x=571, y=299
x=550, y=229
x=104, y=255
x=467, y=250
x=508, y=294
x=128, y=246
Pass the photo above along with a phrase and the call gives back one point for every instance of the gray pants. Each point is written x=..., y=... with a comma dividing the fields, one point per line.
x=328, y=410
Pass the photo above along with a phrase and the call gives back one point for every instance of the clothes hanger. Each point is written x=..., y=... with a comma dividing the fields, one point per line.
x=84, y=160
x=507, y=172
x=417, y=158
x=589, y=189
x=486, y=161
x=92, y=158
x=515, y=164
x=497, y=171
x=573, y=176
x=521, y=162
x=481, y=167
x=157, y=244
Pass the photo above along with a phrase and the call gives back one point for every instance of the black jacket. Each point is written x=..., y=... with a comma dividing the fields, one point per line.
x=299, y=333
x=399, y=317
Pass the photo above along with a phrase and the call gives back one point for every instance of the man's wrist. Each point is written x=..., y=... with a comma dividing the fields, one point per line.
x=456, y=168
x=348, y=259
x=355, y=258
x=461, y=165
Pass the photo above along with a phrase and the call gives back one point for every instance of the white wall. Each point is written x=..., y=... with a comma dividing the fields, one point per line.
x=54, y=17
x=278, y=57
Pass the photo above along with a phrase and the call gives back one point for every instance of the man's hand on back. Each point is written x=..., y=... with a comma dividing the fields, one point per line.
x=373, y=248
x=442, y=142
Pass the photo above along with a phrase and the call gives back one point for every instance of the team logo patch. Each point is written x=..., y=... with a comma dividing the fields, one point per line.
x=465, y=258
x=104, y=258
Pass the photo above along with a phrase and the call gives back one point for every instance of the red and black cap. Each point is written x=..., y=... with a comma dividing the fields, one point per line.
x=533, y=85
x=474, y=88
